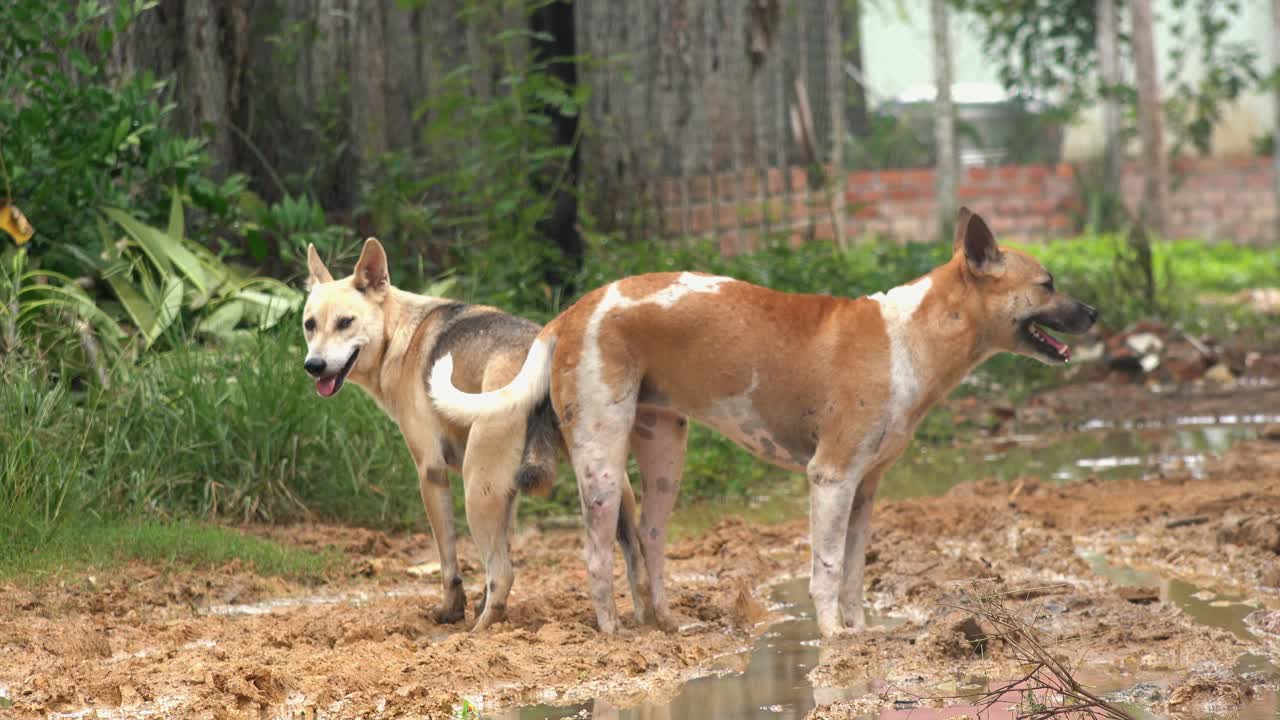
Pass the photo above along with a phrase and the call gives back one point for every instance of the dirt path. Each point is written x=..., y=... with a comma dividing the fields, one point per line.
x=210, y=645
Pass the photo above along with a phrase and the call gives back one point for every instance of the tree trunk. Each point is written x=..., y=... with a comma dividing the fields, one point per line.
x=1109, y=68
x=1275, y=98
x=835, y=101
x=855, y=93
x=1155, y=165
x=944, y=128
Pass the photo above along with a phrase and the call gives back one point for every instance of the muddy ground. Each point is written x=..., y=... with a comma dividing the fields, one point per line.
x=228, y=643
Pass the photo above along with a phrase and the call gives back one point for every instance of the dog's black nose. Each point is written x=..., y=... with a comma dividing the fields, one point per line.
x=315, y=366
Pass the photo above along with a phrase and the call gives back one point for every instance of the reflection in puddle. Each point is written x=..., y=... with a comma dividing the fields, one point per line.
x=774, y=683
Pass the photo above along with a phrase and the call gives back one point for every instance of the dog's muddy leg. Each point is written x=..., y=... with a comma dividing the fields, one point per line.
x=633, y=554
x=855, y=551
x=600, y=470
x=434, y=484
x=489, y=471
x=658, y=441
x=831, y=491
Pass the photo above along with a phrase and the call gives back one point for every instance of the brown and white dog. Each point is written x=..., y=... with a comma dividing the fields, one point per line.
x=831, y=386
x=365, y=330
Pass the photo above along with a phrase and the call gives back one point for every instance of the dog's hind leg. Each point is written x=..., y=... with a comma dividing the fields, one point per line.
x=599, y=463
x=658, y=441
x=855, y=550
x=633, y=553
x=434, y=484
x=489, y=470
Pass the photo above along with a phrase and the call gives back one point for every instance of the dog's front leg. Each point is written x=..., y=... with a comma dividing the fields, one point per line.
x=831, y=493
x=855, y=551
x=434, y=484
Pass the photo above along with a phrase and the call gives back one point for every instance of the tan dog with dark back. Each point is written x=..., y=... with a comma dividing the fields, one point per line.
x=365, y=330
x=830, y=386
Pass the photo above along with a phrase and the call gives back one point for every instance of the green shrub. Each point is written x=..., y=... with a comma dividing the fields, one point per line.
x=76, y=139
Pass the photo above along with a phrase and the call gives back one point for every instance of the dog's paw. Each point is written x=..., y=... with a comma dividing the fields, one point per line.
x=447, y=615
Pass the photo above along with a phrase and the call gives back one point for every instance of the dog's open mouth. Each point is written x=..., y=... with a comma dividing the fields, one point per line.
x=327, y=386
x=1039, y=338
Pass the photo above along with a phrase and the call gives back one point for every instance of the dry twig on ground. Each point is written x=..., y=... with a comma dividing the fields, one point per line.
x=1048, y=688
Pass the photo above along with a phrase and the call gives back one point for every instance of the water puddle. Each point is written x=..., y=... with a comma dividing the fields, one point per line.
x=774, y=683
x=1100, y=450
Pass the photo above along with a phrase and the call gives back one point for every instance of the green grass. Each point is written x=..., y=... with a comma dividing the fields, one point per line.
x=102, y=545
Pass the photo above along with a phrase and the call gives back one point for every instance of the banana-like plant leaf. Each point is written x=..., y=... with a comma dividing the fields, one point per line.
x=170, y=307
x=139, y=309
x=266, y=308
x=164, y=251
x=223, y=321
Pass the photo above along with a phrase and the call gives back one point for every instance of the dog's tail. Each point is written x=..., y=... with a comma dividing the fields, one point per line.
x=537, y=473
x=529, y=387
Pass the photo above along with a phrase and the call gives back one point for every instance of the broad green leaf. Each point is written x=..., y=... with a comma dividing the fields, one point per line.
x=162, y=249
x=141, y=312
x=170, y=307
x=223, y=321
x=265, y=307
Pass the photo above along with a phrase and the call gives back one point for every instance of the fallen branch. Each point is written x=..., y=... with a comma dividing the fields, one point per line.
x=1048, y=688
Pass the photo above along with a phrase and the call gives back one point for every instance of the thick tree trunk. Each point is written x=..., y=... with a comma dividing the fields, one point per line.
x=1150, y=126
x=215, y=48
x=944, y=112
x=836, y=104
x=1275, y=99
x=855, y=93
x=1109, y=69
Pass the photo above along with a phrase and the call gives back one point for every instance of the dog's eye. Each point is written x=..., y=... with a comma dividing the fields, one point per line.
x=1048, y=284
x=344, y=323
x=310, y=324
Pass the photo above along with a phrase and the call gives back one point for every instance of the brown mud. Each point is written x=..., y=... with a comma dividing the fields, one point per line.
x=227, y=643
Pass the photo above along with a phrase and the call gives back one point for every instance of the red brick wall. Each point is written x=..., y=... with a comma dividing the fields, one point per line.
x=1210, y=198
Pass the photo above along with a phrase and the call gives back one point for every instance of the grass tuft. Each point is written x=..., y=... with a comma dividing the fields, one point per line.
x=103, y=545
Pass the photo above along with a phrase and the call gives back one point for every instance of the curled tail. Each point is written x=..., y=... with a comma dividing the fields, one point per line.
x=519, y=396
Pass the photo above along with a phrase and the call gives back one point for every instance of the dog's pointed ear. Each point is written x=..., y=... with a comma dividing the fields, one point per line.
x=975, y=240
x=371, y=268
x=319, y=273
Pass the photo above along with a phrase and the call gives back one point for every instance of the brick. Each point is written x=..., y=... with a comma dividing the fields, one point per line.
x=776, y=181
x=699, y=189
x=863, y=196
x=799, y=178
x=700, y=219
x=726, y=186
x=726, y=216
x=824, y=230
x=752, y=213
x=777, y=206
x=1035, y=172
x=673, y=222
x=865, y=212
x=669, y=192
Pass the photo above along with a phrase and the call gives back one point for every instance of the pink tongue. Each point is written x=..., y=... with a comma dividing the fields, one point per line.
x=1063, y=349
x=327, y=386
